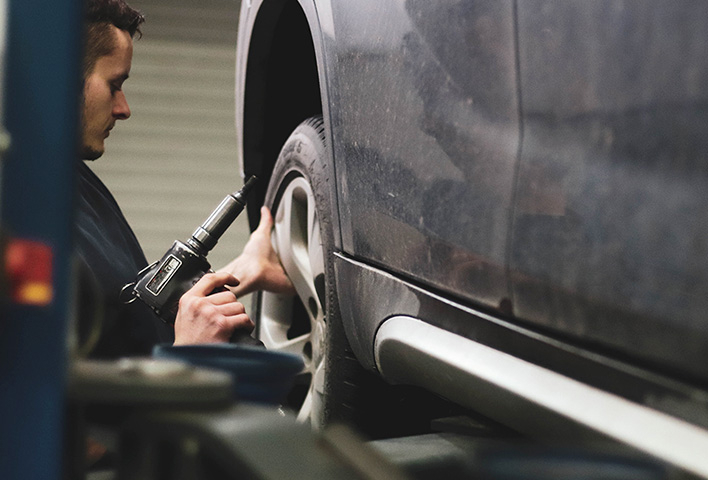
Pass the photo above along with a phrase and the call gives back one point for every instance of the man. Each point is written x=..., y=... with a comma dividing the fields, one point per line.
x=106, y=245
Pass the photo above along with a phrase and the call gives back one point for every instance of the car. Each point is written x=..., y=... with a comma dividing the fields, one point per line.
x=501, y=204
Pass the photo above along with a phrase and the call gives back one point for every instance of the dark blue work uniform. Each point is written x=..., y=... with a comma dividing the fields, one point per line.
x=107, y=246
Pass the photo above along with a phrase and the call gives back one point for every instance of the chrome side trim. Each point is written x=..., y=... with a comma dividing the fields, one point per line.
x=531, y=399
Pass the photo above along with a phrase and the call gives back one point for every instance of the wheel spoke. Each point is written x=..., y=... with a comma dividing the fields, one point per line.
x=275, y=319
x=282, y=231
x=314, y=244
x=295, y=345
x=299, y=249
x=306, y=410
x=317, y=393
x=316, y=256
x=318, y=378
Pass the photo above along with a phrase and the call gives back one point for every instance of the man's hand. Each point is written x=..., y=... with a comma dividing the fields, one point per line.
x=205, y=317
x=258, y=267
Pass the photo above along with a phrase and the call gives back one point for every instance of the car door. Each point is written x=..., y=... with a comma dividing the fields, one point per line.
x=609, y=237
x=425, y=134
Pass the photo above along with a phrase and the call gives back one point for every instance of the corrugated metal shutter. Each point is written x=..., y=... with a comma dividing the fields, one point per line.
x=175, y=159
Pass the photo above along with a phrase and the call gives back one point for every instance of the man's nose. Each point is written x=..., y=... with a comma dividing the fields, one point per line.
x=121, y=110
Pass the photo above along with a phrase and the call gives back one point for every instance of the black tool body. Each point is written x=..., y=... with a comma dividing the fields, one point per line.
x=163, y=283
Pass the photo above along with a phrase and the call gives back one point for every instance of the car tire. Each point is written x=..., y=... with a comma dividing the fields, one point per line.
x=334, y=388
x=309, y=324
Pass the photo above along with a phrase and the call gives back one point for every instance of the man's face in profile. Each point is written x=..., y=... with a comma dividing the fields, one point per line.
x=103, y=99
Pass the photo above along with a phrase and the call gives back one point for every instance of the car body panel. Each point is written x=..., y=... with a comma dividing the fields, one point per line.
x=609, y=245
x=417, y=143
x=360, y=282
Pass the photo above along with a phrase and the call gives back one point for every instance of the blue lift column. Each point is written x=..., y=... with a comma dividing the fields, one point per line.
x=42, y=83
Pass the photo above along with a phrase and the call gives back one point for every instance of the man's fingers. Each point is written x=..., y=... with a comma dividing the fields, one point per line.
x=223, y=298
x=266, y=222
x=231, y=309
x=241, y=322
x=211, y=281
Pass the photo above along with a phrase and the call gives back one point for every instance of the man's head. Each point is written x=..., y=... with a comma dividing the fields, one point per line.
x=110, y=28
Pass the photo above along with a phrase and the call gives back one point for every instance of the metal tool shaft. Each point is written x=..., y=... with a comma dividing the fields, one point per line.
x=208, y=234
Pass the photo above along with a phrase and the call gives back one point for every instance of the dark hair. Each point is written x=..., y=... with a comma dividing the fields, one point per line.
x=99, y=17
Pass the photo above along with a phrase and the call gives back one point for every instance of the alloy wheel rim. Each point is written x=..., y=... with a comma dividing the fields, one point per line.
x=283, y=327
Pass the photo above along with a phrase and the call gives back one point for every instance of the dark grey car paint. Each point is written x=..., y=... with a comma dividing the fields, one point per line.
x=426, y=144
x=544, y=161
x=610, y=234
x=608, y=243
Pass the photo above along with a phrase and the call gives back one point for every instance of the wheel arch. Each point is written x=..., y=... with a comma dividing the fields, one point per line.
x=280, y=83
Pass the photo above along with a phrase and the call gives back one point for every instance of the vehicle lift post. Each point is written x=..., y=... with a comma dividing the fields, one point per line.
x=39, y=101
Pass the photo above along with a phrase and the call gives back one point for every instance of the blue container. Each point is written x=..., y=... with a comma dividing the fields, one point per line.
x=259, y=375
